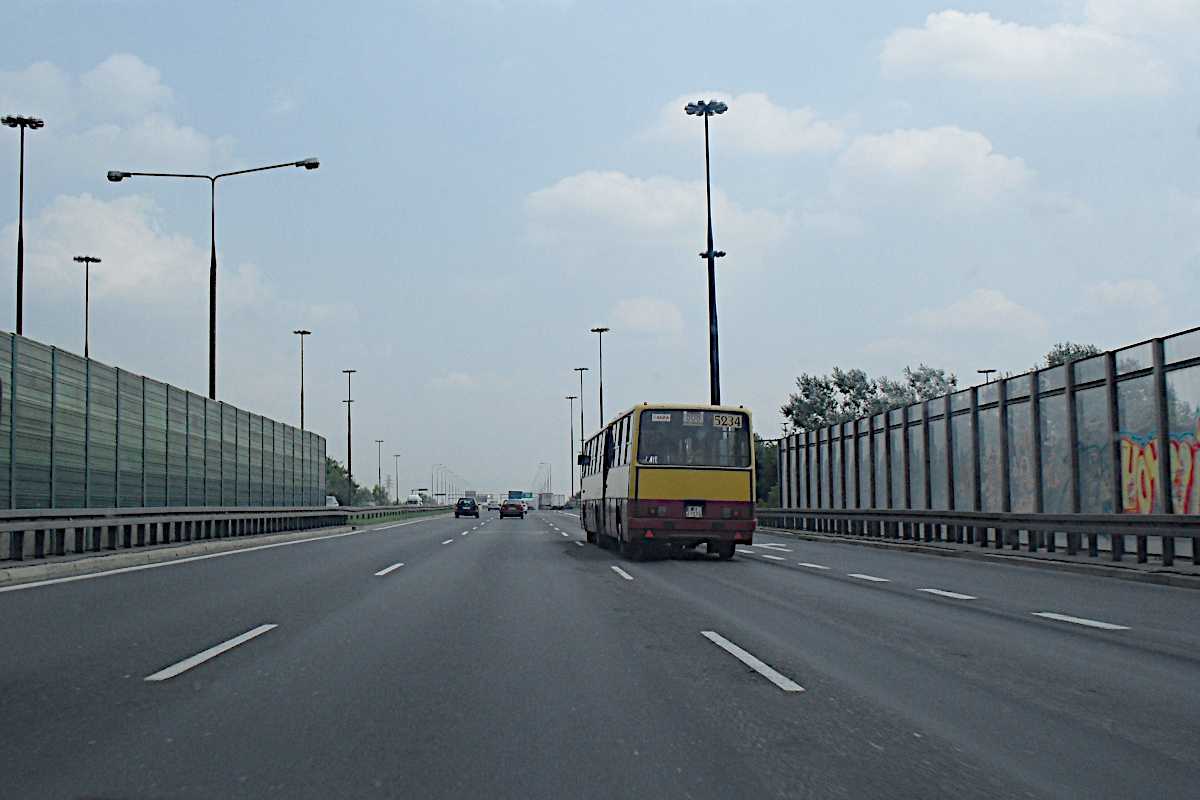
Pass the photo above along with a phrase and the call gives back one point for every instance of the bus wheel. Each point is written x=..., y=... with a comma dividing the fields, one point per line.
x=591, y=536
x=634, y=551
x=722, y=550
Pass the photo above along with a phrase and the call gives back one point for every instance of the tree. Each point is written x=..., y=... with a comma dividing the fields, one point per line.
x=337, y=482
x=766, y=471
x=1062, y=352
x=849, y=394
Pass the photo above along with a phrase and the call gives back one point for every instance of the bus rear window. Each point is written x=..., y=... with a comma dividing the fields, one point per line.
x=683, y=438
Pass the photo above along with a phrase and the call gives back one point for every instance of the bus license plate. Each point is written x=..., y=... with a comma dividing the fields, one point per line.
x=694, y=512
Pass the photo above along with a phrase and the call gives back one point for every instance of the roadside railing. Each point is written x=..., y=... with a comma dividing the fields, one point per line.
x=1164, y=536
x=40, y=533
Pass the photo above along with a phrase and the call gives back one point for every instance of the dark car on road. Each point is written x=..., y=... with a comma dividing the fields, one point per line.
x=467, y=507
x=512, y=508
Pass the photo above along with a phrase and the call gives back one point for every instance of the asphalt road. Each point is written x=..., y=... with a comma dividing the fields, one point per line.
x=505, y=658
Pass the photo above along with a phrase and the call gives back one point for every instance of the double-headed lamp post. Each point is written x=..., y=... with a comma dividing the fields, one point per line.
x=87, y=262
x=601, y=332
x=349, y=462
x=706, y=110
x=31, y=123
x=116, y=176
x=302, y=333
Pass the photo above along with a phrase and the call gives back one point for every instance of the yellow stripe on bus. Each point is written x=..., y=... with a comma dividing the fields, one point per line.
x=690, y=484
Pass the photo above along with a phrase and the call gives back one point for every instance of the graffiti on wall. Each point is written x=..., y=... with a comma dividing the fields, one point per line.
x=1139, y=474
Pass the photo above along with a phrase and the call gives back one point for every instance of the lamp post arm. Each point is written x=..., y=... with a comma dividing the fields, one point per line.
x=255, y=169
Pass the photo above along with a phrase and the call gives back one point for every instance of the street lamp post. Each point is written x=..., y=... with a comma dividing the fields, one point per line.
x=33, y=124
x=117, y=176
x=397, y=457
x=87, y=262
x=349, y=462
x=706, y=110
x=378, y=463
x=302, y=334
x=571, y=418
x=601, y=332
x=581, y=370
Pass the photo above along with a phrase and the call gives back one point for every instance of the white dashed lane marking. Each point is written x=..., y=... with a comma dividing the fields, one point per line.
x=212, y=652
x=758, y=666
x=773, y=558
x=448, y=541
x=1091, y=623
x=386, y=570
x=811, y=566
x=622, y=573
x=951, y=595
x=872, y=578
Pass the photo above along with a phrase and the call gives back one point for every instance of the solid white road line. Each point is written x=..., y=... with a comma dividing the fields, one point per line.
x=139, y=567
x=951, y=595
x=1091, y=623
x=774, y=677
x=862, y=577
x=622, y=573
x=811, y=566
x=448, y=541
x=386, y=570
x=212, y=652
x=773, y=558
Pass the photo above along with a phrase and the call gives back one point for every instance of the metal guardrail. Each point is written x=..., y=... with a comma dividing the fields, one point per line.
x=1075, y=534
x=41, y=533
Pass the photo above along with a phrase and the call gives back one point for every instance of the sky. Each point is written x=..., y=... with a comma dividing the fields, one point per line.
x=959, y=184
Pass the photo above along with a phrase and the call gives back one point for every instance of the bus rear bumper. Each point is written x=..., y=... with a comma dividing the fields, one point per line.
x=688, y=531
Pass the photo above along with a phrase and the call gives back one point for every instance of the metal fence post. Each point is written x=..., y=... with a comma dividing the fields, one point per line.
x=117, y=460
x=887, y=459
x=1162, y=438
x=12, y=450
x=977, y=488
x=907, y=456
x=1004, y=535
x=1072, y=450
x=1114, y=430
x=1035, y=453
x=144, y=444
x=53, y=427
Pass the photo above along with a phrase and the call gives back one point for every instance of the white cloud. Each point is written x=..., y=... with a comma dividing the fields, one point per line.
x=654, y=210
x=1166, y=18
x=123, y=87
x=982, y=311
x=40, y=90
x=1142, y=295
x=116, y=112
x=455, y=381
x=649, y=317
x=139, y=260
x=979, y=47
x=949, y=162
x=833, y=222
x=753, y=124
